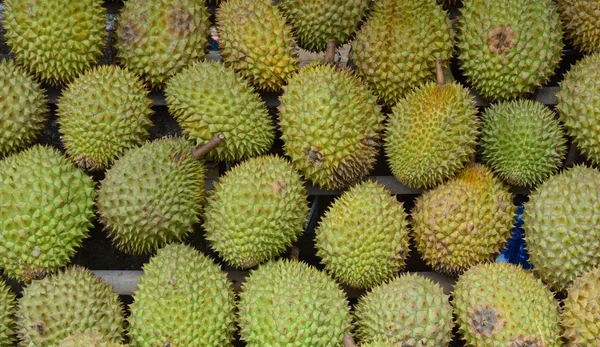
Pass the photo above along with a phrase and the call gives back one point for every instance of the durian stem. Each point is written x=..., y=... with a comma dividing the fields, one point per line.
x=209, y=146
x=295, y=253
x=349, y=341
x=330, y=52
x=439, y=71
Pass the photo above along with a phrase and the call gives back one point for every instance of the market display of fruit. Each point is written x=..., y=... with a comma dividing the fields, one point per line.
x=305, y=173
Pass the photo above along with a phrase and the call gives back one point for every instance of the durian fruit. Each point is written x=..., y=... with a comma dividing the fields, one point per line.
x=431, y=134
x=209, y=98
x=183, y=299
x=103, y=113
x=46, y=210
x=152, y=195
x=72, y=301
x=7, y=318
x=500, y=304
x=508, y=48
x=579, y=315
x=578, y=104
x=257, y=43
x=363, y=238
x=290, y=303
x=23, y=108
x=409, y=310
x=447, y=3
x=463, y=222
x=55, y=40
x=397, y=47
x=157, y=39
x=377, y=343
x=331, y=126
x=562, y=225
x=88, y=339
x=256, y=211
x=315, y=22
x=522, y=141
x=581, y=22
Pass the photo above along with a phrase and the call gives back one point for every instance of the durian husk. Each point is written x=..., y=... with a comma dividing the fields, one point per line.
x=8, y=333
x=581, y=309
x=581, y=22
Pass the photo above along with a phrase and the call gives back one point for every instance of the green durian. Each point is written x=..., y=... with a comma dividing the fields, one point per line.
x=581, y=309
x=562, y=225
x=581, y=22
x=500, y=304
x=46, y=211
x=72, y=301
x=256, y=41
x=256, y=211
x=578, y=104
x=183, y=299
x=363, y=237
x=53, y=39
x=522, y=142
x=88, y=339
x=463, y=222
x=23, y=108
x=331, y=126
x=431, y=134
x=377, y=343
x=7, y=315
x=290, y=303
x=409, y=310
x=157, y=39
x=508, y=48
x=209, y=98
x=315, y=22
x=103, y=113
x=396, y=49
x=152, y=195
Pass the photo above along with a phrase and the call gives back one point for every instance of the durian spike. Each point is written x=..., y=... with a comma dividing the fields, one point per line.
x=348, y=341
x=439, y=69
x=294, y=253
x=330, y=53
x=209, y=146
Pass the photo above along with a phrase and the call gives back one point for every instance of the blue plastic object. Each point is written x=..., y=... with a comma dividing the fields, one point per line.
x=515, y=251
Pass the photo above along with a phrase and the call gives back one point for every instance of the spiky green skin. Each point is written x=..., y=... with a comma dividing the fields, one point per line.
x=257, y=43
x=183, y=299
x=157, y=39
x=579, y=315
x=209, y=98
x=500, y=304
x=72, y=301
x=46, y=210
x=7, y=319
x=377, y=343
x=581, y=22
x=152, y=195
x=522, y=142
x=290, y=303
x=331, y=126
x=431, y=134
x=52, y=41
x=562, y=225
x=363, y=238
x=103, y=104
x=409, y=310
x=256, y=211
x=88, y=339
x=578, y=104
x=463, y=222
x=23, y=108
x=396, y=48
x=508, y=48
x=315, y=22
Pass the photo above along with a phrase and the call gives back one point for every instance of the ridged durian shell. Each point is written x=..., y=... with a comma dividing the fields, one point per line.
x=88, y=339
x=581, y=22
x=500, y=304
x=55, y=40
x=46, y=211
x=183, y=299
x=102, y=114
x=581, y=309
x=7, y=316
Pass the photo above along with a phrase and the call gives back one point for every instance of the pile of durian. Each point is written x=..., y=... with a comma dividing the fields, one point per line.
x=397, y=97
